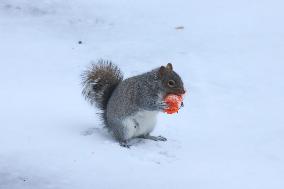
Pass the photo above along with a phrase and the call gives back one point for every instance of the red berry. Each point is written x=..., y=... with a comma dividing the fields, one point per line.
x=174, y=102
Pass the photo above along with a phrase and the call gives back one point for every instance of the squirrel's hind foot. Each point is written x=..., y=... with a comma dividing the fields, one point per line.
x=155, y=138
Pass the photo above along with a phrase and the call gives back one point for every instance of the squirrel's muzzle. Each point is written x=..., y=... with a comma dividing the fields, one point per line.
x=180, y=91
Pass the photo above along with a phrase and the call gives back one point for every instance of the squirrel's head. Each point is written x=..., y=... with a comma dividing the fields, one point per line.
x=170, y=80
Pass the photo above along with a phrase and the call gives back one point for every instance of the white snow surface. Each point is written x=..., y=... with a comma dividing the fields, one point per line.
x=230, y=54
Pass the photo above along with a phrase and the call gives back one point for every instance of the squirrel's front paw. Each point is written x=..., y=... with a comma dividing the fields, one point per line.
x=162, y=106
x=124, y=144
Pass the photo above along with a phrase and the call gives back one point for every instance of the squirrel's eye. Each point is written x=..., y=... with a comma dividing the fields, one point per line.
x=171, y=83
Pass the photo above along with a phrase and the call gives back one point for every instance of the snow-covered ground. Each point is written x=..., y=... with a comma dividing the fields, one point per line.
x=230, y=135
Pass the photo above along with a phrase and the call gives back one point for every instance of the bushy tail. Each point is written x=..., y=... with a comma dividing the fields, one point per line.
x=99, y=81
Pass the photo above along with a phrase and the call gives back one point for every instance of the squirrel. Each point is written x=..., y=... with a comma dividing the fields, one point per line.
x=129, y=107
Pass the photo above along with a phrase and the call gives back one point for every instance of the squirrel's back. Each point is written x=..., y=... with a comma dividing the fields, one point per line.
x=125, y=98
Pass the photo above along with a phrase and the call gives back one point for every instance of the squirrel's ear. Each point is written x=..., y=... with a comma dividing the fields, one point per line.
x=162, y=70
x=169, y=67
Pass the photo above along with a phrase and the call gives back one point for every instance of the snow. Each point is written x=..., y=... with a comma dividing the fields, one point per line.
x=230, y=133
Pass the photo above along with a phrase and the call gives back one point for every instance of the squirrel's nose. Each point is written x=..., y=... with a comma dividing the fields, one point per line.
x=182, y=91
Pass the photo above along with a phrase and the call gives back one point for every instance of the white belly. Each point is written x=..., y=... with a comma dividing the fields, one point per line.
x=141, y=123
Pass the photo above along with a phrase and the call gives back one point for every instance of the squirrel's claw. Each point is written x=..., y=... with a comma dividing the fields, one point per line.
x=161, y=138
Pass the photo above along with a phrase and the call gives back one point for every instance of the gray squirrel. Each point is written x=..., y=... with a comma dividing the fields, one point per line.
x=130, y=107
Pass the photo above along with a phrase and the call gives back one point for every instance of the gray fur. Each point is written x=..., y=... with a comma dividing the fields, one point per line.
x=99, y=81
x=143, y=92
